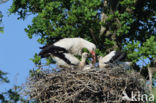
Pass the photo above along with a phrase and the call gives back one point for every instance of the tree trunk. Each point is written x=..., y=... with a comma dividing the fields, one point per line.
x=151, y=70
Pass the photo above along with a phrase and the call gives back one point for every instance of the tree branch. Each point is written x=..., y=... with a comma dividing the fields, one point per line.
x=93, y=36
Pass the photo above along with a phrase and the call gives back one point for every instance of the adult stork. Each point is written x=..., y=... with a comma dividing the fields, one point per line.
x=74, y=62
x=112, y=57
x=71, y=61
x=67, y=48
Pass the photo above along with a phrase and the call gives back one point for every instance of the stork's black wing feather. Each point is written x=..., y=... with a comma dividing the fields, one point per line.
x=55, y=51
x=51, y=49
x=63, y=57
x=118, y=56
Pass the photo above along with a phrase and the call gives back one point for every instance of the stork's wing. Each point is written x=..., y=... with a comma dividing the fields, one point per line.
x=64, y=58
x=117, y=57
x=54, y=50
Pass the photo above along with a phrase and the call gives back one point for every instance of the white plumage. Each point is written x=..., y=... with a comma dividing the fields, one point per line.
x=113, y=57
x=108, y=57
x=75, y=45
x=83, y=60
x=82, y=64
x=61, y=63
x=63, y=51
x=103, y=61
x=74, y=61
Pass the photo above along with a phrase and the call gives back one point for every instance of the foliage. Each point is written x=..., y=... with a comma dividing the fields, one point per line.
x=1, y=16
x=122, y=24
x=3, y=77
x=147, y=50
x=1, y=28
x=36, y=59
x=12, y=96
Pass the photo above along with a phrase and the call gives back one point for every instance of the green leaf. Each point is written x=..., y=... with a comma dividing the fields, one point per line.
x=36, y=59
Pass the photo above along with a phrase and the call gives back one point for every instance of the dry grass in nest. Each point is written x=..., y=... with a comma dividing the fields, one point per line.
x=76, y=86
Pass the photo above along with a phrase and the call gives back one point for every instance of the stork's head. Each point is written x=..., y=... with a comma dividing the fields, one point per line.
x=92, y=49
x=84, y=55
x=99, y=58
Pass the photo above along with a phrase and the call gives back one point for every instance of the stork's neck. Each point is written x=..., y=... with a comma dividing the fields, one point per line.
x=83, y=59
x=82, y=62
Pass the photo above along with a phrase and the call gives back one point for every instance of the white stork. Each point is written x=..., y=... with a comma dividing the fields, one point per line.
x=74, y=62
x=82, y=64
x=112, y=57
x=71, y=61
x=65, y=49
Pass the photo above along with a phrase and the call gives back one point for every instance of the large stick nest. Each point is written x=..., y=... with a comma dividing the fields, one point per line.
x=77, y=86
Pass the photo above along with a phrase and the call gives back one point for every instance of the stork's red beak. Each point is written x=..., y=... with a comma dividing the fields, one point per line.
x=93, y=56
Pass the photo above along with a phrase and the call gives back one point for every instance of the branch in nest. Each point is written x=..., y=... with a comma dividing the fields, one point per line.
x=94, y=86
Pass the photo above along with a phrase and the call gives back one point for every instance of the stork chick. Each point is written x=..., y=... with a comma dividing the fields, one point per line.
x=83, y=60
x=112, y=57
x=101, y=63
x=82, y=64
x=126, y=65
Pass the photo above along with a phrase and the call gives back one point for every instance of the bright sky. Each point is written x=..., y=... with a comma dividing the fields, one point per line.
x=15, y=48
